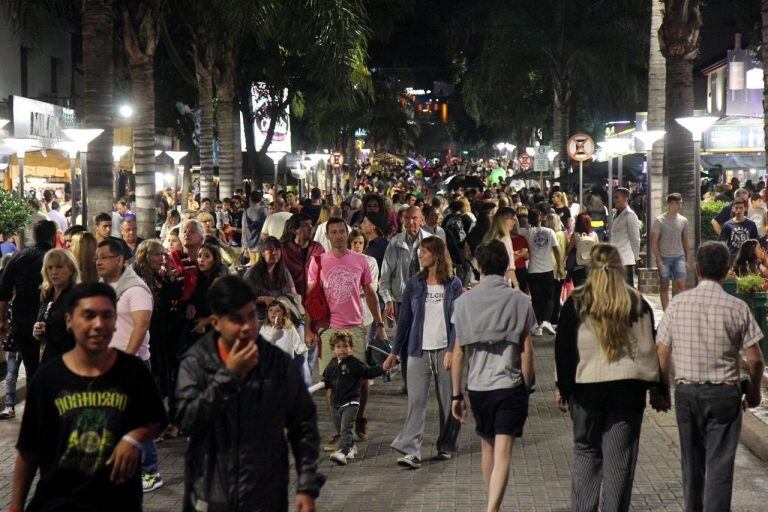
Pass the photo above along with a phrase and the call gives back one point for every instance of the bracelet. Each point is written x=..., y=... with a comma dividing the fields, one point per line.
x=459, y=397
x=132, y=441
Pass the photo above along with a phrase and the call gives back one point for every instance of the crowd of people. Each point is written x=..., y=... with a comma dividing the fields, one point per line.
x=221, y=326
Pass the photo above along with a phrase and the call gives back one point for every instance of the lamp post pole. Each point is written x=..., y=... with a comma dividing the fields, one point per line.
x=81, y=137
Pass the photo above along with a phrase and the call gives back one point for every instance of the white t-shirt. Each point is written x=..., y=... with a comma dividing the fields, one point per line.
x=132, y=299
x=374, y=266
x=59, y=219
x=287, y=340
x=275, y=224
x=435, y=335
x=540, y=243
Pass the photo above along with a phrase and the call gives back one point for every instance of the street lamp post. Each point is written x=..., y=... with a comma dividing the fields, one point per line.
x=21, y=146
x=82, y=137
x=276, y=156
x=648, y=138
x=70, y=148
x=697, y=125
x=176, y=156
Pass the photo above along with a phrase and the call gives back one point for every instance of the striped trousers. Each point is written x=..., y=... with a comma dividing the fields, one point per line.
x=604, y=458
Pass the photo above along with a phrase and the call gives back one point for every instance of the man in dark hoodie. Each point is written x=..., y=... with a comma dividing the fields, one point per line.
x=240, y=399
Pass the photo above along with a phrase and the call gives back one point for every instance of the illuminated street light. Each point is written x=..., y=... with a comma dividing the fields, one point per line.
x=125, y=111
x=697, y=125
x=82, y=137
x=176, y=156
x=20, y=147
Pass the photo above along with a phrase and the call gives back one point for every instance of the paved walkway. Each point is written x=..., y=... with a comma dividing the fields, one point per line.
x=540, y=477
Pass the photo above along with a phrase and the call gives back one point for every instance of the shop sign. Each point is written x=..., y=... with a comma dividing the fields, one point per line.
x=541, y=161
x=34, y=119
x=734, y=137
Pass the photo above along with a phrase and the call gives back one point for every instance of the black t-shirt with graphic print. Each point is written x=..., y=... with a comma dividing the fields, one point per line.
x=72, y=424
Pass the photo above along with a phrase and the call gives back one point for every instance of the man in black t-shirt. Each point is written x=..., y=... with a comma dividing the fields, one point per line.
x=739, y=229
x=726, y=213
x=87, y=414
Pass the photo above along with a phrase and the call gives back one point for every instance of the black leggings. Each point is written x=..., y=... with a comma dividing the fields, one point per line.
x=542, y=285
x=522, y=278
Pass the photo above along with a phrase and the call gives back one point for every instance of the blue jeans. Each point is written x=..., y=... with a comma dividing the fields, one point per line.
x=148, y=450
x=672, y=268
x=11, y=376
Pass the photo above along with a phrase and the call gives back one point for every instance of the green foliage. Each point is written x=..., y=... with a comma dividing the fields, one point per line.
x=748, y=284
x=14, y=212
x=708, y=211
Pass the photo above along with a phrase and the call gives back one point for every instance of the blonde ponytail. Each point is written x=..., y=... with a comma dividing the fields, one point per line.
x=605, y=302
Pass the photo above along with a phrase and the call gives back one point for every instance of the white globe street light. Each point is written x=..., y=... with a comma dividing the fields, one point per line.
x=697, y=125
x=82, y=137
x=125, y=111
x=20, y=147
x=275, y=156
x=648, y=138
x=176, y=156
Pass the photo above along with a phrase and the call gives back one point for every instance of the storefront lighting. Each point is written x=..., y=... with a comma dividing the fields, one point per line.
x=20, y=147
x=82, y=137
x=126, y=111
x=176, y=156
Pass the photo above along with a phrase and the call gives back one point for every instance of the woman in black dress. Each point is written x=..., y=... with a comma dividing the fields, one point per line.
x=60, y=273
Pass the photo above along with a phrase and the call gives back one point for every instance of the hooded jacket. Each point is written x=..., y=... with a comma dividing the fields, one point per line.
x=237, y=457
x=395, y=270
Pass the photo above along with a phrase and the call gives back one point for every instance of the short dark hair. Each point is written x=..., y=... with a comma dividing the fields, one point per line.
x=255, y=196
x=298, y=218
x=622, y=191
x=54, y=205
x=533, y=217
x=77, y=228
x=739, y=201
x=44, y=231
x=115, y=245
x=712, y=259
x=334, y=220
x=756, y=196
x=102, y=217
x=493, y=258
x=674, y=198
x=228, y=294
x=315, y=194
x=87, y=290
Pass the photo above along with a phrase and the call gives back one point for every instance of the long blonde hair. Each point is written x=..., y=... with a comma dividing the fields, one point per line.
x=605, y=302
x=497, y=231
x=58, y=257
x=84, y=250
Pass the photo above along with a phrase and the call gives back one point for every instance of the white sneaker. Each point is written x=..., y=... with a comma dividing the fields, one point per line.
x=409, y=461
x=352, y=453
x=339, y=458
x=547, y=328
x=536, y=331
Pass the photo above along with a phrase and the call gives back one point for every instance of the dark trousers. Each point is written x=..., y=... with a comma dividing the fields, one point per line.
x=522, y=278
x=541, y=285
x=557, y=290
x=629, y=274
x=709, y=423
x=579, y=276
x=403, y=355
x=605, y=446
x=29, y=348
x=344, y=420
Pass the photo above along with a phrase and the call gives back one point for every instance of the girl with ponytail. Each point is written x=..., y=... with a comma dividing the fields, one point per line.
x=606, y=361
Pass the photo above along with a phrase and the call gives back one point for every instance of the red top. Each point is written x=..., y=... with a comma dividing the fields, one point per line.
x=518, y=243
x=185, y=269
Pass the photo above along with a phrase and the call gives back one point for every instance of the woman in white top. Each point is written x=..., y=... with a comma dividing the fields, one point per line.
x=279, y=330
x=358, y=242
x=579, y=248
x=501, y=229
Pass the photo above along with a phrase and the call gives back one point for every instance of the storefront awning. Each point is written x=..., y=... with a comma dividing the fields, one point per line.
x=754, y=160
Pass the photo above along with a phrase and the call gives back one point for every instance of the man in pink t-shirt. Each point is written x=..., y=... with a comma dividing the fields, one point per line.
x=342, y=274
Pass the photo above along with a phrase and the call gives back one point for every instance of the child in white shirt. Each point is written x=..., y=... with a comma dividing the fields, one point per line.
x=279, y=330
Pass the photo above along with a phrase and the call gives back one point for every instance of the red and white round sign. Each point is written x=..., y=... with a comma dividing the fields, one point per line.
x=580, y=147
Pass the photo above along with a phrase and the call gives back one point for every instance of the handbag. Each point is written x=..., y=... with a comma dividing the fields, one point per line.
x=317, y=305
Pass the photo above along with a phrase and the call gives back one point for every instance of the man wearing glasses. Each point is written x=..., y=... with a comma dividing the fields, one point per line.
x=134, y=311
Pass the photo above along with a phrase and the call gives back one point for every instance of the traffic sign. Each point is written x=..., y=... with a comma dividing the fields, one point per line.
x=581, y=147
x=541, y=160
x=525, y=161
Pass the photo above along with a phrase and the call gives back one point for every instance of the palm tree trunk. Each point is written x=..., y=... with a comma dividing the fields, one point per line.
x=238, y=160
x=561, y=111
x=99, y=106
x=764, y=51
x=203, y=68
x=140, y=47
x=225, y=89
x=656, y=117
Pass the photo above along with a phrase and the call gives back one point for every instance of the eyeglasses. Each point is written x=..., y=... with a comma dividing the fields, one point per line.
x=97, y=258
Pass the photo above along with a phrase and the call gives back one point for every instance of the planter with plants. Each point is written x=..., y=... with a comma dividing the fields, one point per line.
x=754, y=290
x=14, y=213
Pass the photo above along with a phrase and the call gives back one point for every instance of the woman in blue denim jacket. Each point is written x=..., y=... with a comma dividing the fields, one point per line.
x=424, y=325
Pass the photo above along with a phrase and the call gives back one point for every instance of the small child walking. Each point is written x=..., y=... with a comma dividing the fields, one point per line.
x=342, y=379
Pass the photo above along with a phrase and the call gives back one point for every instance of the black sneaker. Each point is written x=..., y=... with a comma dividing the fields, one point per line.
x=444, y=456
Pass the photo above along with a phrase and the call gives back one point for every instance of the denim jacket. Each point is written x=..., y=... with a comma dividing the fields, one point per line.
x=410, y=318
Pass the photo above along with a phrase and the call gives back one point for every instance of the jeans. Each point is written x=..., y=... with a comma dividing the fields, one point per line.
x=709, y=423
x=605, y=447
x=672, y=268
x=11, y=376
x=344, y=420
x=423, y=370
x=148, y=449
x=541, y=285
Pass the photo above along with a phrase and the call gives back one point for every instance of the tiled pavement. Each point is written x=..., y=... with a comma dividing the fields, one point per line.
x=539, y=478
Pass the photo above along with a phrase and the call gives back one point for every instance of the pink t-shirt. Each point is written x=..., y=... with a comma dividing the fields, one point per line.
x=342, y=279
x=132, y=299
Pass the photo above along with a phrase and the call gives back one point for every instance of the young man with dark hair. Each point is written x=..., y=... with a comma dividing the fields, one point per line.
x=706, y=334
x=242, y=400
x=87, y=414
x=66, y=238
x=102, y=226
x=493, y=325
x=21, y=280
x=669, y=244
x=739, y=229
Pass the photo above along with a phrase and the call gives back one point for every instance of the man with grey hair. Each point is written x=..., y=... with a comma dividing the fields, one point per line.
x=702, y=336
x=725, y=214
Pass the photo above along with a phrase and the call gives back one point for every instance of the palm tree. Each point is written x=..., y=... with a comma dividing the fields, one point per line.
x=140, y=37
x=229, y=133
x=764, y=51
x=202, y=50
x=98, y=61
x=656, y=97
x=679, y=43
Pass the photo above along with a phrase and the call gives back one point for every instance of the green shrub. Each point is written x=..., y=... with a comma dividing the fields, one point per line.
x=14, y=212
x=708, y=211
x=748, y=284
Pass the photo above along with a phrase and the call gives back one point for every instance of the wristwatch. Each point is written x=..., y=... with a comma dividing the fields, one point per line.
x=458, y=397
x=379, y=324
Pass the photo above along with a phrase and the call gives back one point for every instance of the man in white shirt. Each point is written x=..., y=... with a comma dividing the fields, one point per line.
x=625, y=233
x=56, y=216
x=275, y=223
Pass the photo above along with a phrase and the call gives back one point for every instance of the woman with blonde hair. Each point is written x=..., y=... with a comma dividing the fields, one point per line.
x=502, y=226
x=606, y=361
x=60, y=274
x=84, y=250
x=424, y=327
